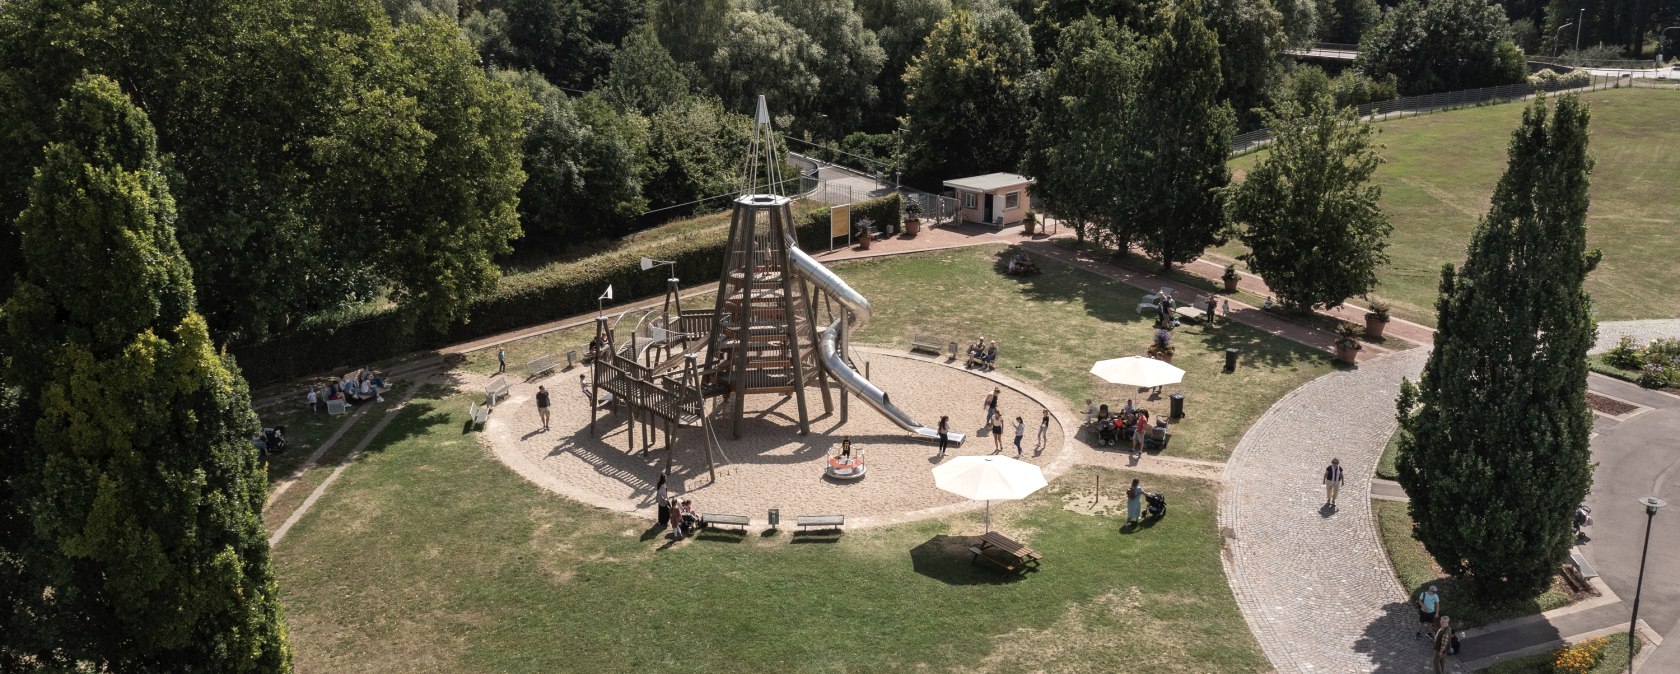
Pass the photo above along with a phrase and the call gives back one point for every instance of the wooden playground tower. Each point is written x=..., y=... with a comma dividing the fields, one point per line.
x=761, y=335
x=764, y=336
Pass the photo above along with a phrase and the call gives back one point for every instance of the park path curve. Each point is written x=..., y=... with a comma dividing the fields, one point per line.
x=1316, y=587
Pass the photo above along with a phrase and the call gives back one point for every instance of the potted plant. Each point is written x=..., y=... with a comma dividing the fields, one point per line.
x=1377, y=319
x=1347, y=344
x=1231, y=277
x=912, y=218
x=1161, y=352
x=1028, y=222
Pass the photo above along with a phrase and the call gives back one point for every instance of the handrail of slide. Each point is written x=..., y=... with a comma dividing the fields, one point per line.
x=858, y=307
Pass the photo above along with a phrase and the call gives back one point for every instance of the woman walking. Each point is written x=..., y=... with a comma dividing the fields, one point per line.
x=1020, y=432
x=944, y=434
x=997, y=430
x=1134, y=502
x=989, y=406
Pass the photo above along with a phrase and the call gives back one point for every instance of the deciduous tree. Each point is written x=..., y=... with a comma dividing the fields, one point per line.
x=967, y=102
x=1307, y=212
x=1170, y=197
x=1494, y=438
x=1443, y=45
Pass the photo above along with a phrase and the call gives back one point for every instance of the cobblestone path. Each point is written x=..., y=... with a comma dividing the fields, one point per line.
x=1314, y=585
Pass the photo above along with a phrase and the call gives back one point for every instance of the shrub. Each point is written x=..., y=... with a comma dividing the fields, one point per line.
x=551, y=293
x=1626, y=355
x=1552, y=80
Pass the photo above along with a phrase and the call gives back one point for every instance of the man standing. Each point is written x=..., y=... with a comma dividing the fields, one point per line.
x=1332, y=482
x=1044, y=429
x=1427, y=604
x=542, y=406
x=501, y=361
x=1443, y=645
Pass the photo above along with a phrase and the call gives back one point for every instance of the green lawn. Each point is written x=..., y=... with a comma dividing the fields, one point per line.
x=430, y=555
x=1053, y=326
x=1417, y=570
x=1391, y=454
x=1440, y=174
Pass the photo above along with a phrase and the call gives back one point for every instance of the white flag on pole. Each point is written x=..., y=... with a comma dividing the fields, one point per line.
x=608, y=294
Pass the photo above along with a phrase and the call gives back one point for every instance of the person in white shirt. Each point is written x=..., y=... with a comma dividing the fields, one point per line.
x=313, y=398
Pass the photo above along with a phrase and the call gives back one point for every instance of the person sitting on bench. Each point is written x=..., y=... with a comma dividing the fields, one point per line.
x=976, y=351
x=690, y=520
x=990, y=359
x=1102, y=414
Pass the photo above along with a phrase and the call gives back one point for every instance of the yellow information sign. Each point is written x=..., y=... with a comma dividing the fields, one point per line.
x=839, y=221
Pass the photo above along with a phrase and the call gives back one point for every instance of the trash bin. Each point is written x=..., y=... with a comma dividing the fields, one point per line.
x=1177, y=405
x=1231, y=360
x=775, y=517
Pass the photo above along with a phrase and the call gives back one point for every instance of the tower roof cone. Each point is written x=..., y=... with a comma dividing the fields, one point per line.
x=762, y=174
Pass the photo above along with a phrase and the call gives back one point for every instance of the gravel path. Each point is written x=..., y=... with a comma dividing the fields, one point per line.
x=1609, y=333
x=1315, y=586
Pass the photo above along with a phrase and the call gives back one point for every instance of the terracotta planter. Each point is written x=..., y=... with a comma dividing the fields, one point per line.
x=912, y=226
x=1163, y=357
x=1374, y=326
x=1231, y=284
x=1347, y=353
x=1027, y=227
x=863, y=241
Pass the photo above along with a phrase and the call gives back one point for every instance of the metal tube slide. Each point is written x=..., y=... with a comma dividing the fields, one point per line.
x=858, y=306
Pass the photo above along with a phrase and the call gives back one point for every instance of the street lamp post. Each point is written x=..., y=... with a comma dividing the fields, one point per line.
x=1652, y=504
x=1578, y=21
x=1557, y=44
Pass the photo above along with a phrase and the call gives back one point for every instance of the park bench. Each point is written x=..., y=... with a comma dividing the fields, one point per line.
x=478, y=413
x=822, y=521
x=714, y=520
x=1003, y=553
x=497, y=387
x=928, y=343
x=338, y=406
x=1580, y=563
x=541, y=366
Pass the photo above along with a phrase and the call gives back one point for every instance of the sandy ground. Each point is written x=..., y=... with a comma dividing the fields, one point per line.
x=771, y=465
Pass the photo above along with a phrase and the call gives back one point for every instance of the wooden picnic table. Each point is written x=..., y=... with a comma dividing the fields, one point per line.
x=1000, y=551
x=1190, y=313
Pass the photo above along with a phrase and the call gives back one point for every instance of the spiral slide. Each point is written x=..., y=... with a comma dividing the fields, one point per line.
x=858, y=306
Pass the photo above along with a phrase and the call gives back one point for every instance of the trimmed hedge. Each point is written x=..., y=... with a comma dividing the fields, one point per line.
x=548, y=294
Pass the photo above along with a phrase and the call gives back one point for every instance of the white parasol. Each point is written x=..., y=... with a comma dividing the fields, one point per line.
x=989, y=478
x=1137, y=371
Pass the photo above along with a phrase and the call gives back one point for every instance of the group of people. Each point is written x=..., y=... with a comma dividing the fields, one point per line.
x=982, y=355
x=1129, y=423
x=1019, y=263
x=1436, y=626
x=995, y=420
x=678, y=514
x=360, y=385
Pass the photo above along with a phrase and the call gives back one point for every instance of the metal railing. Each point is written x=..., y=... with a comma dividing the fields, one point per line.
x=1244, y=143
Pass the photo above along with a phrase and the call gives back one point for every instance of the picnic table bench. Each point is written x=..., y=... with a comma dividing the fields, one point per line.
x=542, y=365
x=928, y=343
x=1006, y=554
x=715, y=519
x=478, y=413
x=497, y=387
x=1190, y=313
x=823, y=521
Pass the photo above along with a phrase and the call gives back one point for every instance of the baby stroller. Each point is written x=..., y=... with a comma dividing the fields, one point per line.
x=1157, y=504
x=1105, y=434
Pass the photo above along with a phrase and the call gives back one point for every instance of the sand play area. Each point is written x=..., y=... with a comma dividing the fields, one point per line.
x=771, y=465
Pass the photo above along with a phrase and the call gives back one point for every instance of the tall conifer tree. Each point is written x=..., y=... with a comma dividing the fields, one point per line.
x=1493, y=448
x=138, y=480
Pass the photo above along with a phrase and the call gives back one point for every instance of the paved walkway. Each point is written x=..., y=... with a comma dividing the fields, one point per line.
x=1315, y=586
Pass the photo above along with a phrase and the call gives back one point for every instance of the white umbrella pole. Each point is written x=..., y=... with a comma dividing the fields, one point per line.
x=988, y=516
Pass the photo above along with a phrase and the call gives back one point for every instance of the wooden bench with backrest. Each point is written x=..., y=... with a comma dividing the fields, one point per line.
x=928, y=343
x=497, y=388
x=834, y=522
x=478, y=413
x=541, y=366
x=1004, y=553
x=715, y=519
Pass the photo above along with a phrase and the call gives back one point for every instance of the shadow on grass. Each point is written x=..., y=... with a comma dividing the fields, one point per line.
x=721, y=535
x=819, y=536
x=946, y=559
